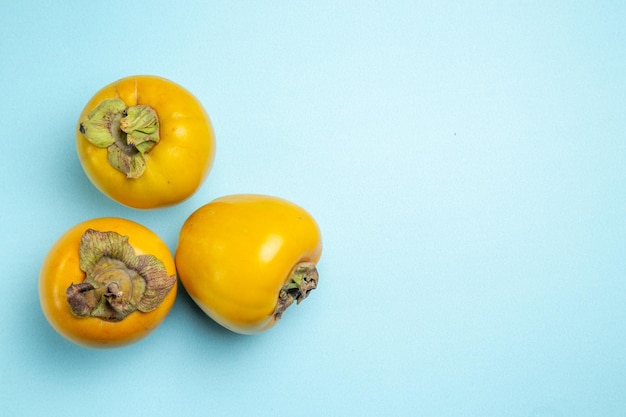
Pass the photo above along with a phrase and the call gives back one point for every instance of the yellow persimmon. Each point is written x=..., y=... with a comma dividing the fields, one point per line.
x=245, y=258
x=146, y=142
x=107, y=282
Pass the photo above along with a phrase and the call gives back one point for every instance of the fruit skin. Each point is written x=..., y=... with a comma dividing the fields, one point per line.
x=236, y=253
x=61, y=268
x=175, y=167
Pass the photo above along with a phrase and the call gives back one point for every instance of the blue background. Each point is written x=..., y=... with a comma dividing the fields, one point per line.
x=466, y=162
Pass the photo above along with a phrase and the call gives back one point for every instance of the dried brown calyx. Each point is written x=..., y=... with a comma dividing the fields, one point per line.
x=117, y=281
x=301, y=281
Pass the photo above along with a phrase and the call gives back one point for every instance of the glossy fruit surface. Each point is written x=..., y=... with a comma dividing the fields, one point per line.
x=245, y=258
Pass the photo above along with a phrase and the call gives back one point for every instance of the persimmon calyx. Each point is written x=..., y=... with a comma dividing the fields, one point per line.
x=301, y=281
x=128, y=133
x=117, y=281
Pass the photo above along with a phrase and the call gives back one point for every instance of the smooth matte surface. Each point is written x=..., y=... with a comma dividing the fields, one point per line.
x=466, y=162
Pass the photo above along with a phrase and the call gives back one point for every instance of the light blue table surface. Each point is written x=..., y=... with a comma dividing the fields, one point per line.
x=466, y=162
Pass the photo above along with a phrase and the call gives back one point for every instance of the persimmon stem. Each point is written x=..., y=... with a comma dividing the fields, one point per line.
x=301, y=281
x=128, y=133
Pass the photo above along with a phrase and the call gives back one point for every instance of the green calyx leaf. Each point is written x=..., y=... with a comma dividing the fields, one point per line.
x=142, y=127
x=128, y=133
x=133, y=164
x=101, y=126
x=117, y=281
